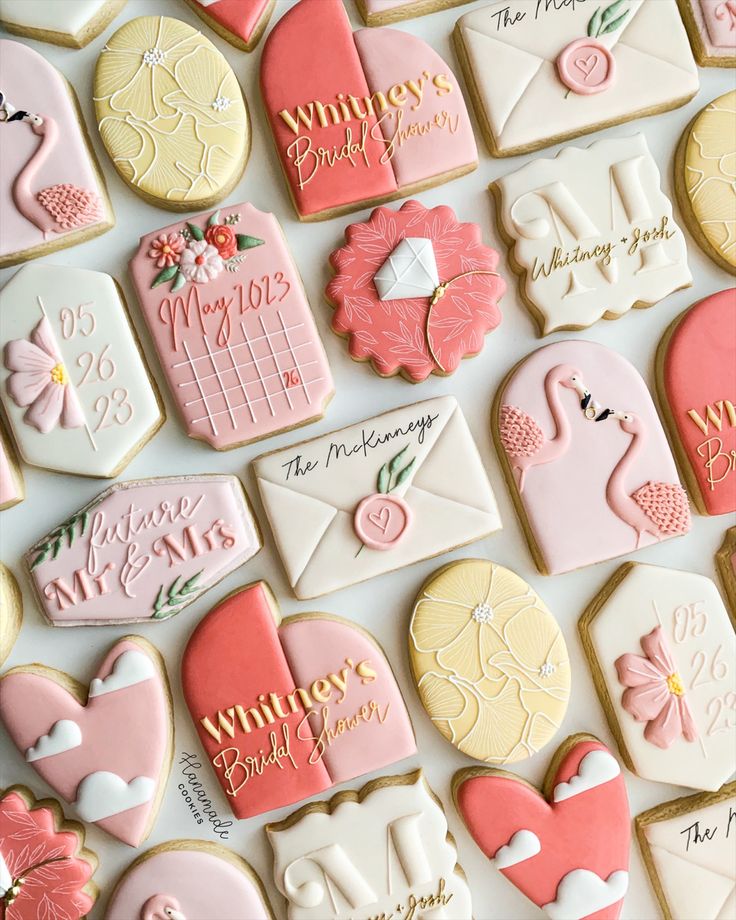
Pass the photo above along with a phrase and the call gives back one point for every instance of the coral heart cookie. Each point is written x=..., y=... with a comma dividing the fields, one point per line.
x=230, y=320
x=187, y=879
x=567, y=850
x=414, y=291
x=585, y=457
x=171, y=114
x=362, y=117
x=663, y=655
x=53, y=192
x=142, y=550
x=711, y=26
x=73, y=23
x=45, y=869
x=287, y=709
x=106, y=751
x=590, y=233
x=240, y=22
x=385, y=12
x=489, y=661
x=726, y=563
x=384, y=851
x=696, y=385
x=73, y=381
x=11, y=611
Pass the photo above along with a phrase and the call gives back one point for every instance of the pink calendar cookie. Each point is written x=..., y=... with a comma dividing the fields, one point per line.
x=230, y=320
x=106, y=749
x=414, y=291
x=361, y=117
x=711, y=27
x=240, y=22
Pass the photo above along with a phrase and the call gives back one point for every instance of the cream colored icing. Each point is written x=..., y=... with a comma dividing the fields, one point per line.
x=68, y=17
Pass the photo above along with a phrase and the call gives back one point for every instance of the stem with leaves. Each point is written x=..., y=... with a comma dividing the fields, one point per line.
x=166, y=601
x=607, y=20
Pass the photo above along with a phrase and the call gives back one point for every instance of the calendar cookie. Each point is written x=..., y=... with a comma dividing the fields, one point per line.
x=711, y=27
x=53, y=191
x=12, y=486
x=11, y=608
x=386, y=12
x=726, y=564
x=171, y=114
x=662, y=650
x=228, y=314
x=240, y=22
x=73, y=380
x=72, y=23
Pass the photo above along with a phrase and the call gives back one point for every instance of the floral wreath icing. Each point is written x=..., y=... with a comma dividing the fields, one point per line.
x=290, y=708
x=171, y=113
x=415, y=291
x=489, y=661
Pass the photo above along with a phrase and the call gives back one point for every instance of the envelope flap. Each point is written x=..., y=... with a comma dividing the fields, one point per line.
x=680, y=878
x=716, y=853
x=656, y=19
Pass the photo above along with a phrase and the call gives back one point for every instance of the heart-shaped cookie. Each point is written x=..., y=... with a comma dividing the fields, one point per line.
x=566, y=850
x=107, y=752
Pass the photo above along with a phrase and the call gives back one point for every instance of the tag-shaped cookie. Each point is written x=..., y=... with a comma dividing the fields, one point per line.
x=72, y=24
x=106, y=751
x=240, y=22
x=568, y=849
x=287, y=709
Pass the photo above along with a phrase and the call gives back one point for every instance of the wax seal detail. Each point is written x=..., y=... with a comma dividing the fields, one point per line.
x=586, y=67
x=381, y=520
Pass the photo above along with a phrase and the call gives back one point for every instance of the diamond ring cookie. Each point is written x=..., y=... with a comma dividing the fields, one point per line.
x=567, y=849
x=489, y=661
x=386, y=12
x=171, y=114
x=240, y=22
x=359, y=117
x=711, y=26
x=54, y=194
x=11, y=611
x=72, y=23
x=662, y=651
x=105, y=749
x=414, y=291
x=12, y=486
x=362, y=853
x=228, y=314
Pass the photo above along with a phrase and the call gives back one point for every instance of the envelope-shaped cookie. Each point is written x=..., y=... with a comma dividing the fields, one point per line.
x=584, y=65
x=376, y=496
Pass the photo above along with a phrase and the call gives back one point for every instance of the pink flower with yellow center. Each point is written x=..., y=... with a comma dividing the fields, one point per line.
x=166, y=249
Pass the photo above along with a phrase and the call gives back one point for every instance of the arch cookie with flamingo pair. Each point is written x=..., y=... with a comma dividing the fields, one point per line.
x=587, y=461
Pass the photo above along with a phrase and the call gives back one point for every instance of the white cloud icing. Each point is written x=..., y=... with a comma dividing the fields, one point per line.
x=130, y=668
x=62, y=736
x=596, y=768
x=103, y=794
x=582, y=893
x=522, y=845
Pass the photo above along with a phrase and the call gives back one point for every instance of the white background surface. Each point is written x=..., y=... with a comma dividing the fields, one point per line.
x=383, y=605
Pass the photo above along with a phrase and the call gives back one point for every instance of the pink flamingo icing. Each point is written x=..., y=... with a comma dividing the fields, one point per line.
x=162, y=907
x=658, y=508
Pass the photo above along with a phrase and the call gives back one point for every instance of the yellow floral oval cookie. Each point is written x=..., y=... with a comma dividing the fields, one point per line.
x=489, y=661
x=171, y=113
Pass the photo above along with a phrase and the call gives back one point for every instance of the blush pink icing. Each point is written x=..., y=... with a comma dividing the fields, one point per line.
x=586, y=67
x=720, y=22
x=381, y=520
x=241, y=17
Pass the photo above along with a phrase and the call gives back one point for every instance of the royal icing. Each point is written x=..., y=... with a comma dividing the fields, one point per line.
x=383, y=851
x=44, y=870
x=11, y=611
x=489, y=661
x=116, y=773
x=322, y=482
x=726, y=563
x=377, y=117
x=12, y=488
x=583, y=65
x=171, y=113
x=72, y=378
x=234, y=334
x=241, y=22
x=414, y=290
x=591, y=233
x=73, y=23
x=569, y=855
x=289, y=708
x=697, y=387
x=587, y=456
x=664, y=650
x=142, y=550
x=712, y=28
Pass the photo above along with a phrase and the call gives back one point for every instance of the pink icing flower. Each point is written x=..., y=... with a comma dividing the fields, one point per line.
x=656, y=694
x=40, y=381
x=200, y=262
x=166, y=249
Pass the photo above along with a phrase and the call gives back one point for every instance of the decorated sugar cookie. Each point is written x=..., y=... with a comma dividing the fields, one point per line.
x=240, y=22
x=286, y=709
x=229, y=317
x=12, y=487
x=663, y=652
x=142, y=550
x=72, y=23
x=689, y=850
x=105, y=750
x=414, y=291
x=587, y=462
x=376, y=496
x=361, y=854
x=45, y=869
x=73, y=380
x=704, y=178
x=385, y=12
x=54, y=194
x=726, y=563
x=696, y=384
x=362, y=117
x=489, y=661
x=590, y=233
x=11, y=611
x=541, y=73
x=188, y=879
x=711, y=26
x=567, y=849
x=171, y=114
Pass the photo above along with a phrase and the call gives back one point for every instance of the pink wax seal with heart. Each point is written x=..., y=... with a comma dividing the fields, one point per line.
x=382, y=519
x=586, y=67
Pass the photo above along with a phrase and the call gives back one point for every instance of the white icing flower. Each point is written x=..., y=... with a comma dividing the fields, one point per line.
x=153, y=56
x=221, y=103
x=547, y=669
x=200, y=262
x=482, y=613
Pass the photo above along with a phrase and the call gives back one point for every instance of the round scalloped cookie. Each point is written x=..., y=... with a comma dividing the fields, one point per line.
x=71, y=23
x=171, y=114
x=11, y=611
x=240, y=22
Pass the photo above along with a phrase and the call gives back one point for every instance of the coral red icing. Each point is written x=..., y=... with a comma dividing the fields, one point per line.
x=241, y=17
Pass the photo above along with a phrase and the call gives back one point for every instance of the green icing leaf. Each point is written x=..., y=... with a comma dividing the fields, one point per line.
x=595, y=22
x=195, y=231
x=384, y=477
x=612, y=26
x=247, y=242
x=214, y=219
x=612, y=11
x=41, y=556
x=397, y=461
x=166, y=601
x=166, y=274
x=179, y=282
x=406, y=472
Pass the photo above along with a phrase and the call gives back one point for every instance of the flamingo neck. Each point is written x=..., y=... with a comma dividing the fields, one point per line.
x=23, y=195
x=616, y=489
x=562, y=424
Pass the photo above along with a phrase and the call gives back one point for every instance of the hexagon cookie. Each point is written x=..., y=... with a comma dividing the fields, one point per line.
x=662, y=651
x=73, y=381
